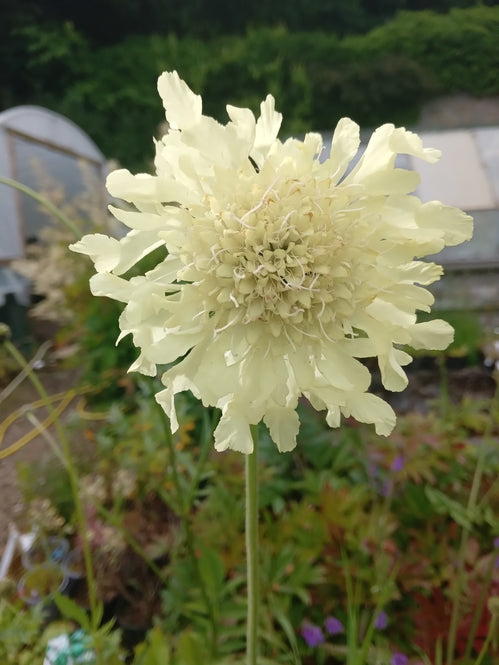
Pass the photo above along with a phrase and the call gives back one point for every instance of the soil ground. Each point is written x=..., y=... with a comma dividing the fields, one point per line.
x=56, y=380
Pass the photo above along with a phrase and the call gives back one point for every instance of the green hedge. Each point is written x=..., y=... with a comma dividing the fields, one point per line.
x=459, y=49
x=385, y=75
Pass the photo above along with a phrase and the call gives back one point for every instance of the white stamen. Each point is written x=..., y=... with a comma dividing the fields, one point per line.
x=227, y=325
x=260, y=203
x=289, y=339
x=324, y=332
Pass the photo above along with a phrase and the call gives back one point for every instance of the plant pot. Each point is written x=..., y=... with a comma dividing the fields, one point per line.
x=40, y=582
x=51, y=549
x=38, y=585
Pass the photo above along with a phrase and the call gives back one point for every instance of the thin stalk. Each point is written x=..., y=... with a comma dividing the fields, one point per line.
x=206, y=446
x=444, y=387
x=492, y=633
x=470, y=509
x=184, y=508
x=491, y=492
x=17, y=380
x=44, y=433
x=251, y=525
x=352, y=621
x=72, y=475
x=44, y=202
x=479, y=607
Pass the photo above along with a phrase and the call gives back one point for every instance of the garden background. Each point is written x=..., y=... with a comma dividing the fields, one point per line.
x=371, y=548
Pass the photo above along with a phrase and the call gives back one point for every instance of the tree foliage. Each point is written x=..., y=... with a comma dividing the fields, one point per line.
x=106, y=22
x=317, y=77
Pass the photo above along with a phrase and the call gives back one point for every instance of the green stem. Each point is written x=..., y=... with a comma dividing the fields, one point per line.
x=206, y=446
x=252, y=549
x=465, y=533
x=184, y=506
x=479, y=608
x=44, y=202
x=72, y=475
x=444, y=387
x=490, y=635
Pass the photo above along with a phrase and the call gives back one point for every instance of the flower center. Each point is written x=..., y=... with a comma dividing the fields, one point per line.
x=281, y=261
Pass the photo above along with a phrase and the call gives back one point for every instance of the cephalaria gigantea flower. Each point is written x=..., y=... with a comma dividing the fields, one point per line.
x=282, y=271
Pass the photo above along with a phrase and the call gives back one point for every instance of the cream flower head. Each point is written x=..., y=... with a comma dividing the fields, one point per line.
x=282, y=270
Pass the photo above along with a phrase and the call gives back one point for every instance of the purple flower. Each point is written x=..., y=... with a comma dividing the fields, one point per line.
x=312, y=635
x=399, y=659
x=387, y=488
x=381, y=620
x=372, y=470
x=334, y=626
x=398, y=464
x=496, y=542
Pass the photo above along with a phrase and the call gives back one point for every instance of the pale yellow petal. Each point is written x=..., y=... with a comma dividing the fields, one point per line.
x=382, y=310
x=368, y=408
x=131, y=188
x=103, y=250
x=405, y=142
x=393, y=376
x=435, y=334
x=233, y=431
x=391, y=181
x=267, y=128
x=244, y=123
x=166, y=399
x=344, y=147
x=183, y=108
x=454, y=225
x=283, y=425
x=111, y=286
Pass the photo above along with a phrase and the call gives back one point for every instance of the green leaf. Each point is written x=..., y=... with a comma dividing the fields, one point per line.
x=445, y=505
x=191, y=649
x=71, y=610
x=212, y=571
x=153, y=652
x=285, y=624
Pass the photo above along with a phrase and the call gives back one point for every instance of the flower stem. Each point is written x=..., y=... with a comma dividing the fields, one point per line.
x=44, y=202
x=471, y=507
x=252, y=550
x=184, y=505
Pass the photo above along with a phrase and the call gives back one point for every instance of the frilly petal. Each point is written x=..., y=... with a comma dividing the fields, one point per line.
x=233, y=431
x=103, y=250
x=368, y=408
x=344, y=147
x=283, y=425
x=267, y=128
x=183, y=108
x=435, y=334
